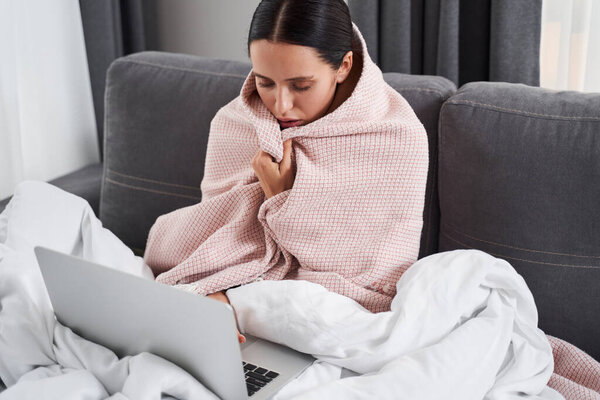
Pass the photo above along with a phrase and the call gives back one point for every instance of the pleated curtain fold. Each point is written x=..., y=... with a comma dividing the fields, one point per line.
x=462, y=40
x=47, y=124
x=112, y=28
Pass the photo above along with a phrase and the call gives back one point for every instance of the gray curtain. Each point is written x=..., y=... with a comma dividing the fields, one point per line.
x=462, y=40
x=112, y=28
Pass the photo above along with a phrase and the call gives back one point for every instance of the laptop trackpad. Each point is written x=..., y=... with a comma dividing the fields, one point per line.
x=288, y=363
x=274, y=356
x=249, y=341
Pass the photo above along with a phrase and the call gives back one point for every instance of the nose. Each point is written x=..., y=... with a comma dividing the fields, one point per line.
x=284, y=101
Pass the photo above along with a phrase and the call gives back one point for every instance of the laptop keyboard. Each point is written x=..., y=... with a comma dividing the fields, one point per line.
x=257, y=377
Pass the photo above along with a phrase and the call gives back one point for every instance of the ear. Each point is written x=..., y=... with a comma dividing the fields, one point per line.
x=345, y=68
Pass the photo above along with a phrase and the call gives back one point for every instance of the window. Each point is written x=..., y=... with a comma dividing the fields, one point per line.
x=570, y=45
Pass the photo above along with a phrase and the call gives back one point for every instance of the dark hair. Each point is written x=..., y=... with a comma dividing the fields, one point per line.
x=324, y=25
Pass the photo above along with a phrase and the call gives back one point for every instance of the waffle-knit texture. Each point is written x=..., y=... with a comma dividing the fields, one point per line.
x=576, y=374
x=351, y=222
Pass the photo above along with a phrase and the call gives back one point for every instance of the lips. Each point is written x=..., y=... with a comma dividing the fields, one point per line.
x=290, y=123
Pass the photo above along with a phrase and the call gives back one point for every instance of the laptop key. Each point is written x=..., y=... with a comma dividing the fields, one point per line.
x=251, y=387
x=260, y=370
x=255, y=382
x=272, y=374
x=259, y=377
x=249, y=367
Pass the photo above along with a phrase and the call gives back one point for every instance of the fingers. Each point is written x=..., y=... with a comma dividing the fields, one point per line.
x=241, y=338
x=264, y=161
x=286, y=162
x=274, y=177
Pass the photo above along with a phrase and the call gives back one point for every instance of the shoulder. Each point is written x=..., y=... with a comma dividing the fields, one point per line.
x=396, y=109
x=232, y=111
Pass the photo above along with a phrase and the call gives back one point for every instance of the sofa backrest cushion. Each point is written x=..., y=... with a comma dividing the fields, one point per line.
x=158, y=111
x=519, y=178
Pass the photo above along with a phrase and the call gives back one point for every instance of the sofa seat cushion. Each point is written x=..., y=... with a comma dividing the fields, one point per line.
x=84, y=182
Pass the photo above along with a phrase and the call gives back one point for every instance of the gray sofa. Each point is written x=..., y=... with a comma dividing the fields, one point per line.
x=514, y=171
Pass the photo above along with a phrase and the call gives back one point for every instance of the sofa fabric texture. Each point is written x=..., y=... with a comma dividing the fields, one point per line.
x=518, y=179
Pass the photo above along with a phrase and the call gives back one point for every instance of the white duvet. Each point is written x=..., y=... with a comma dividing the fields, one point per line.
x=463, y=324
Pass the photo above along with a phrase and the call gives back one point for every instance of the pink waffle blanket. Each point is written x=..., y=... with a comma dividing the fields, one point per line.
x=351, y=222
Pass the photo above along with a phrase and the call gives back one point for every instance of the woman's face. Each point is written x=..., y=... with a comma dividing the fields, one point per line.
x=293, y=82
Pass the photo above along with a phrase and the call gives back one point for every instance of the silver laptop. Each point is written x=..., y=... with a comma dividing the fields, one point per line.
x=129, y=314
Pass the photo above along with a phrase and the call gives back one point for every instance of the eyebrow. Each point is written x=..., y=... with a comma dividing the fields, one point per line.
x=298, y=78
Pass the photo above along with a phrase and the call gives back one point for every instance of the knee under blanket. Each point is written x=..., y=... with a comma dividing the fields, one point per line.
x=351, y=222
x=462, y=326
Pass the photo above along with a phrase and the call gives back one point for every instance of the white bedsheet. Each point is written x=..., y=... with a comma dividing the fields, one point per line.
x=463, y=324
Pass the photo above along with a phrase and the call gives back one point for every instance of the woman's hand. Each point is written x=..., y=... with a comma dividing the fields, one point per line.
x=221, y=296
x=275, y=177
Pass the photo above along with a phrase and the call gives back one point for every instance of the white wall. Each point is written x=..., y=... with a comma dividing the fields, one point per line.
x=212, y=28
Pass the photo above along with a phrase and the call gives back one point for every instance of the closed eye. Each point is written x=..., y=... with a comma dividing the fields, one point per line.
x=296, y=88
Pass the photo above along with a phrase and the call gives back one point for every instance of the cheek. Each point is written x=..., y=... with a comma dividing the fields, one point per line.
x=268, y=97
x=317, y=101
x=308, y=104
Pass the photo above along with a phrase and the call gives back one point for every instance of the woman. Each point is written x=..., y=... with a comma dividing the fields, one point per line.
x=317, y=171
